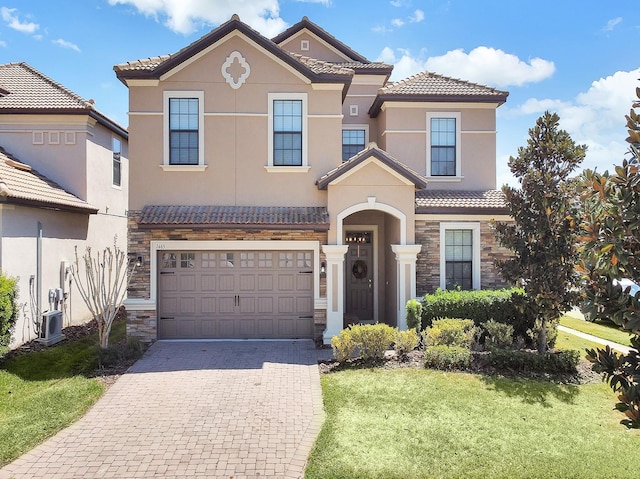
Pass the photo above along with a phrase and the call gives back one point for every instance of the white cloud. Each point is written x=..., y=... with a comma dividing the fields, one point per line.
x=3, y=44
x=397, y=22
x=65, y=44
x=399, y=3
x=11, y=19
x=324, y=2
x=186, y=16
x=417, y=16
x=611, y=24
x=381, y=29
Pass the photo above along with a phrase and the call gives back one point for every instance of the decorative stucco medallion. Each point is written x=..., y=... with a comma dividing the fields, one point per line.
x=235, y=73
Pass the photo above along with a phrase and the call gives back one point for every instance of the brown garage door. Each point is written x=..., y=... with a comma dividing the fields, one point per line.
x=235, y=294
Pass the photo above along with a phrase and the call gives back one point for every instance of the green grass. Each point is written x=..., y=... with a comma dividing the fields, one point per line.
x=44, y=392
x=415, y=423
x=603, y=330
x=566, y=341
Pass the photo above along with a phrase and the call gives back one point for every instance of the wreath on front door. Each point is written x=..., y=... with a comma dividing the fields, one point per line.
x=359, y=269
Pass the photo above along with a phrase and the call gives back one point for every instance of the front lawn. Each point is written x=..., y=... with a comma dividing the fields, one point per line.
x=567, y=341
x=418, y=423
x=603, y=330
x=43, y=392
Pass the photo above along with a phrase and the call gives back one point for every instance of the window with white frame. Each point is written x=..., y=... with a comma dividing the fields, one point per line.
x=460, y=255
x=353, y=141
x=443, y=144
x=183, y=125
x=287, y=130
x=116, y=148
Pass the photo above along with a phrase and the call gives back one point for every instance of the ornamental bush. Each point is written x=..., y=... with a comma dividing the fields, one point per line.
x=405, y=342
x=8, y=311
x=532, y=362
x=448, y=357
x=343, y=345
x=372, y=340
x=499, y=335
x=414, y=314
x=450, y=332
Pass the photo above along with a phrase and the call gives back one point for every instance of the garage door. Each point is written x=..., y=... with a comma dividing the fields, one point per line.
x=235, y=294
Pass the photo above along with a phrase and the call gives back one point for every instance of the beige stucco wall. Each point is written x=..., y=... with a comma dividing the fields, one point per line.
x=403, y=131
x=317, y=48
x=236, y=136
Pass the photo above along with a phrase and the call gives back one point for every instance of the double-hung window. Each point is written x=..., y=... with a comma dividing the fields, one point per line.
x=353, y=141
x=116, y=148
x=443, y=155
x=184, y=136
x=460, y=255
x=287, y=141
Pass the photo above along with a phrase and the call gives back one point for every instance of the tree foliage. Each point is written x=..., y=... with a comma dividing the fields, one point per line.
x=103, y=286
x=545, y=223
x=8, y=310
x=610, y=244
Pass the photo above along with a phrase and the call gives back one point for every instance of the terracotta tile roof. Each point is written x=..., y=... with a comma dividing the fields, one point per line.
x=372, y=150
x=144, y=64
x=443, y=201
x=21, y=184
x=296, y=217
x=429, y=86
x=371, y=67
x=320, y=66
x=23, y=89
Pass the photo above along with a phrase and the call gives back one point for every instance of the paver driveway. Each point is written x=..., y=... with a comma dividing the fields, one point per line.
x=194, y=409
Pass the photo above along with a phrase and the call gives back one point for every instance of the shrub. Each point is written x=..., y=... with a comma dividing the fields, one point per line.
x=414, y=314
x=406, y=341
x=372, y=340
x=8, y=310
x=450, y=332
x=343, y=345
x=499, y=335
x=532, y=361
x=447, y=357
x=503, y=305
x=551, y=328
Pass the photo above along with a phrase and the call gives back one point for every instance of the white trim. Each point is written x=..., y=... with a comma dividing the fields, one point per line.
x=144, y=113
x=70, y=138
x=371, y=204
x=37, y=137
x=463, y=217
x=234, y=114
x=366, y=162
x=323, y=116
x=233, y=83
x=54, y=138
x=444, y=179
x=119, y=140
x=305, y=126
x=304, y=45
x=363, y=79
x=357, y=126
x=360, y=95
x=479, y=132
x=287, y=169
x=141, y=82
x=445, y=114
x=421, y=132
x=320, y=40
x=432, y=105
x=474, y=226
x=376, y=251
x=327, y=86
x=353, y=110
x=183, y=167
x=167, y=95
x=206, y=245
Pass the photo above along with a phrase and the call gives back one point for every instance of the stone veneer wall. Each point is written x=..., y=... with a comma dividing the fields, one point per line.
x=143, y=324
x=428, y=263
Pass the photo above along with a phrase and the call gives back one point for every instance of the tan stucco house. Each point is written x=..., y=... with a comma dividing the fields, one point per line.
x=63, y=184
x=283, y=188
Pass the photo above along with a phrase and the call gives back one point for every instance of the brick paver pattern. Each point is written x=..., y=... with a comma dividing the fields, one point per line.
x=236, y=410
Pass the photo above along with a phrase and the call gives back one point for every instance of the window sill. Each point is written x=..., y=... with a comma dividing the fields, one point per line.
x=287, y=169
x=117, y=187
x=445, y=179
x=183, y=167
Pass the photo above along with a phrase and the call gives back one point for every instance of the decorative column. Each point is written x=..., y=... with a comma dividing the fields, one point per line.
x=334, y=255
x=406, y=256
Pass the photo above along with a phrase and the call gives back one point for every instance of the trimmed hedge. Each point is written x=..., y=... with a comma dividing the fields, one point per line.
x=447, y=358
x=502, y=305
x=532, y=362
x=8, y=311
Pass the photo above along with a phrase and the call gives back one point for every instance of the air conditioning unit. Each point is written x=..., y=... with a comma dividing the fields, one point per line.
x=51, y=328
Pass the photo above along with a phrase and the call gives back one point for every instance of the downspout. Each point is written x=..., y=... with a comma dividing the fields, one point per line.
x=39, y=270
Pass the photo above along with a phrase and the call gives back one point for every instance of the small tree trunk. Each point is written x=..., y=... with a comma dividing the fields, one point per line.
x=542, y=336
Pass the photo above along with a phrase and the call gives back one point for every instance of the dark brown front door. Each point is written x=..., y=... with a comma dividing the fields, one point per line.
x=359, y=276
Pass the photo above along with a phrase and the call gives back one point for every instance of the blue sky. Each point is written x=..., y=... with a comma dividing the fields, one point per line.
x=578, y=58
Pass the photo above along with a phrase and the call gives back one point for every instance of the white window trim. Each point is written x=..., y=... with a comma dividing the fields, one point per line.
x=166, y=165
x=354, y=126
x=461, y=225
x=304, y=45
x=353, y=110
x=113, y=184
x=445, y=114
x=270, y=167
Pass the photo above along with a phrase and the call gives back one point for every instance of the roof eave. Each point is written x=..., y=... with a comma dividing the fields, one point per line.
x=87, y=210
x=459, y=210
x=236, y=226
x=498, y=99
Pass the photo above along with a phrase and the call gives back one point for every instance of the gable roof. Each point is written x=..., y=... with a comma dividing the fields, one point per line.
x=153, y=68
x=307, y=24
x=429, y=86
x=372, y=151
x=213, y=216
x=460, y=202
x=21, y=184
x=25, y=90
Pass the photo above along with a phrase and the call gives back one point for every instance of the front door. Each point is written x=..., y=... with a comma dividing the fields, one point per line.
x=359, y=276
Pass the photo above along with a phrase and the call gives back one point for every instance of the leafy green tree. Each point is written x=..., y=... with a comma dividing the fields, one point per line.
x=8, y=310
x=543, y=233
x=610, y=247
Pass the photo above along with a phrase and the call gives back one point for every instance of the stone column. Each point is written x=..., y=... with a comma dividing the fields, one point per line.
x=334, y=255
x=406, y=256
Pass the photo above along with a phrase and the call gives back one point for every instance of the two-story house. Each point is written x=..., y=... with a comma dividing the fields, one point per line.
x=63, y=184
x=283, y=188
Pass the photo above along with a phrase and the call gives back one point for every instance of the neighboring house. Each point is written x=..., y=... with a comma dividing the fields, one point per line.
x=63, y=184
x=283, y=188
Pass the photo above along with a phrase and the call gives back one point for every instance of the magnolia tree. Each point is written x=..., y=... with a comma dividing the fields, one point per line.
x=610, y=250
x=103, y=286
x=542, y=236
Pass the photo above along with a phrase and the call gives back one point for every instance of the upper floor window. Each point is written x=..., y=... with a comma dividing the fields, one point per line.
x=460, y=255
x=353, y=141
x=183, y=124
x=443, y=145
x=287, y=132
x=116, y=148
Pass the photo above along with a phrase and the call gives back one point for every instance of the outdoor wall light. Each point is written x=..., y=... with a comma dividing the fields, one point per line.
x=323, y=269
x=137, y=260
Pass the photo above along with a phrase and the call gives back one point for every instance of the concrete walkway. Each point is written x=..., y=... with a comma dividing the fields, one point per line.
x=618, y=347
x=194, y=409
